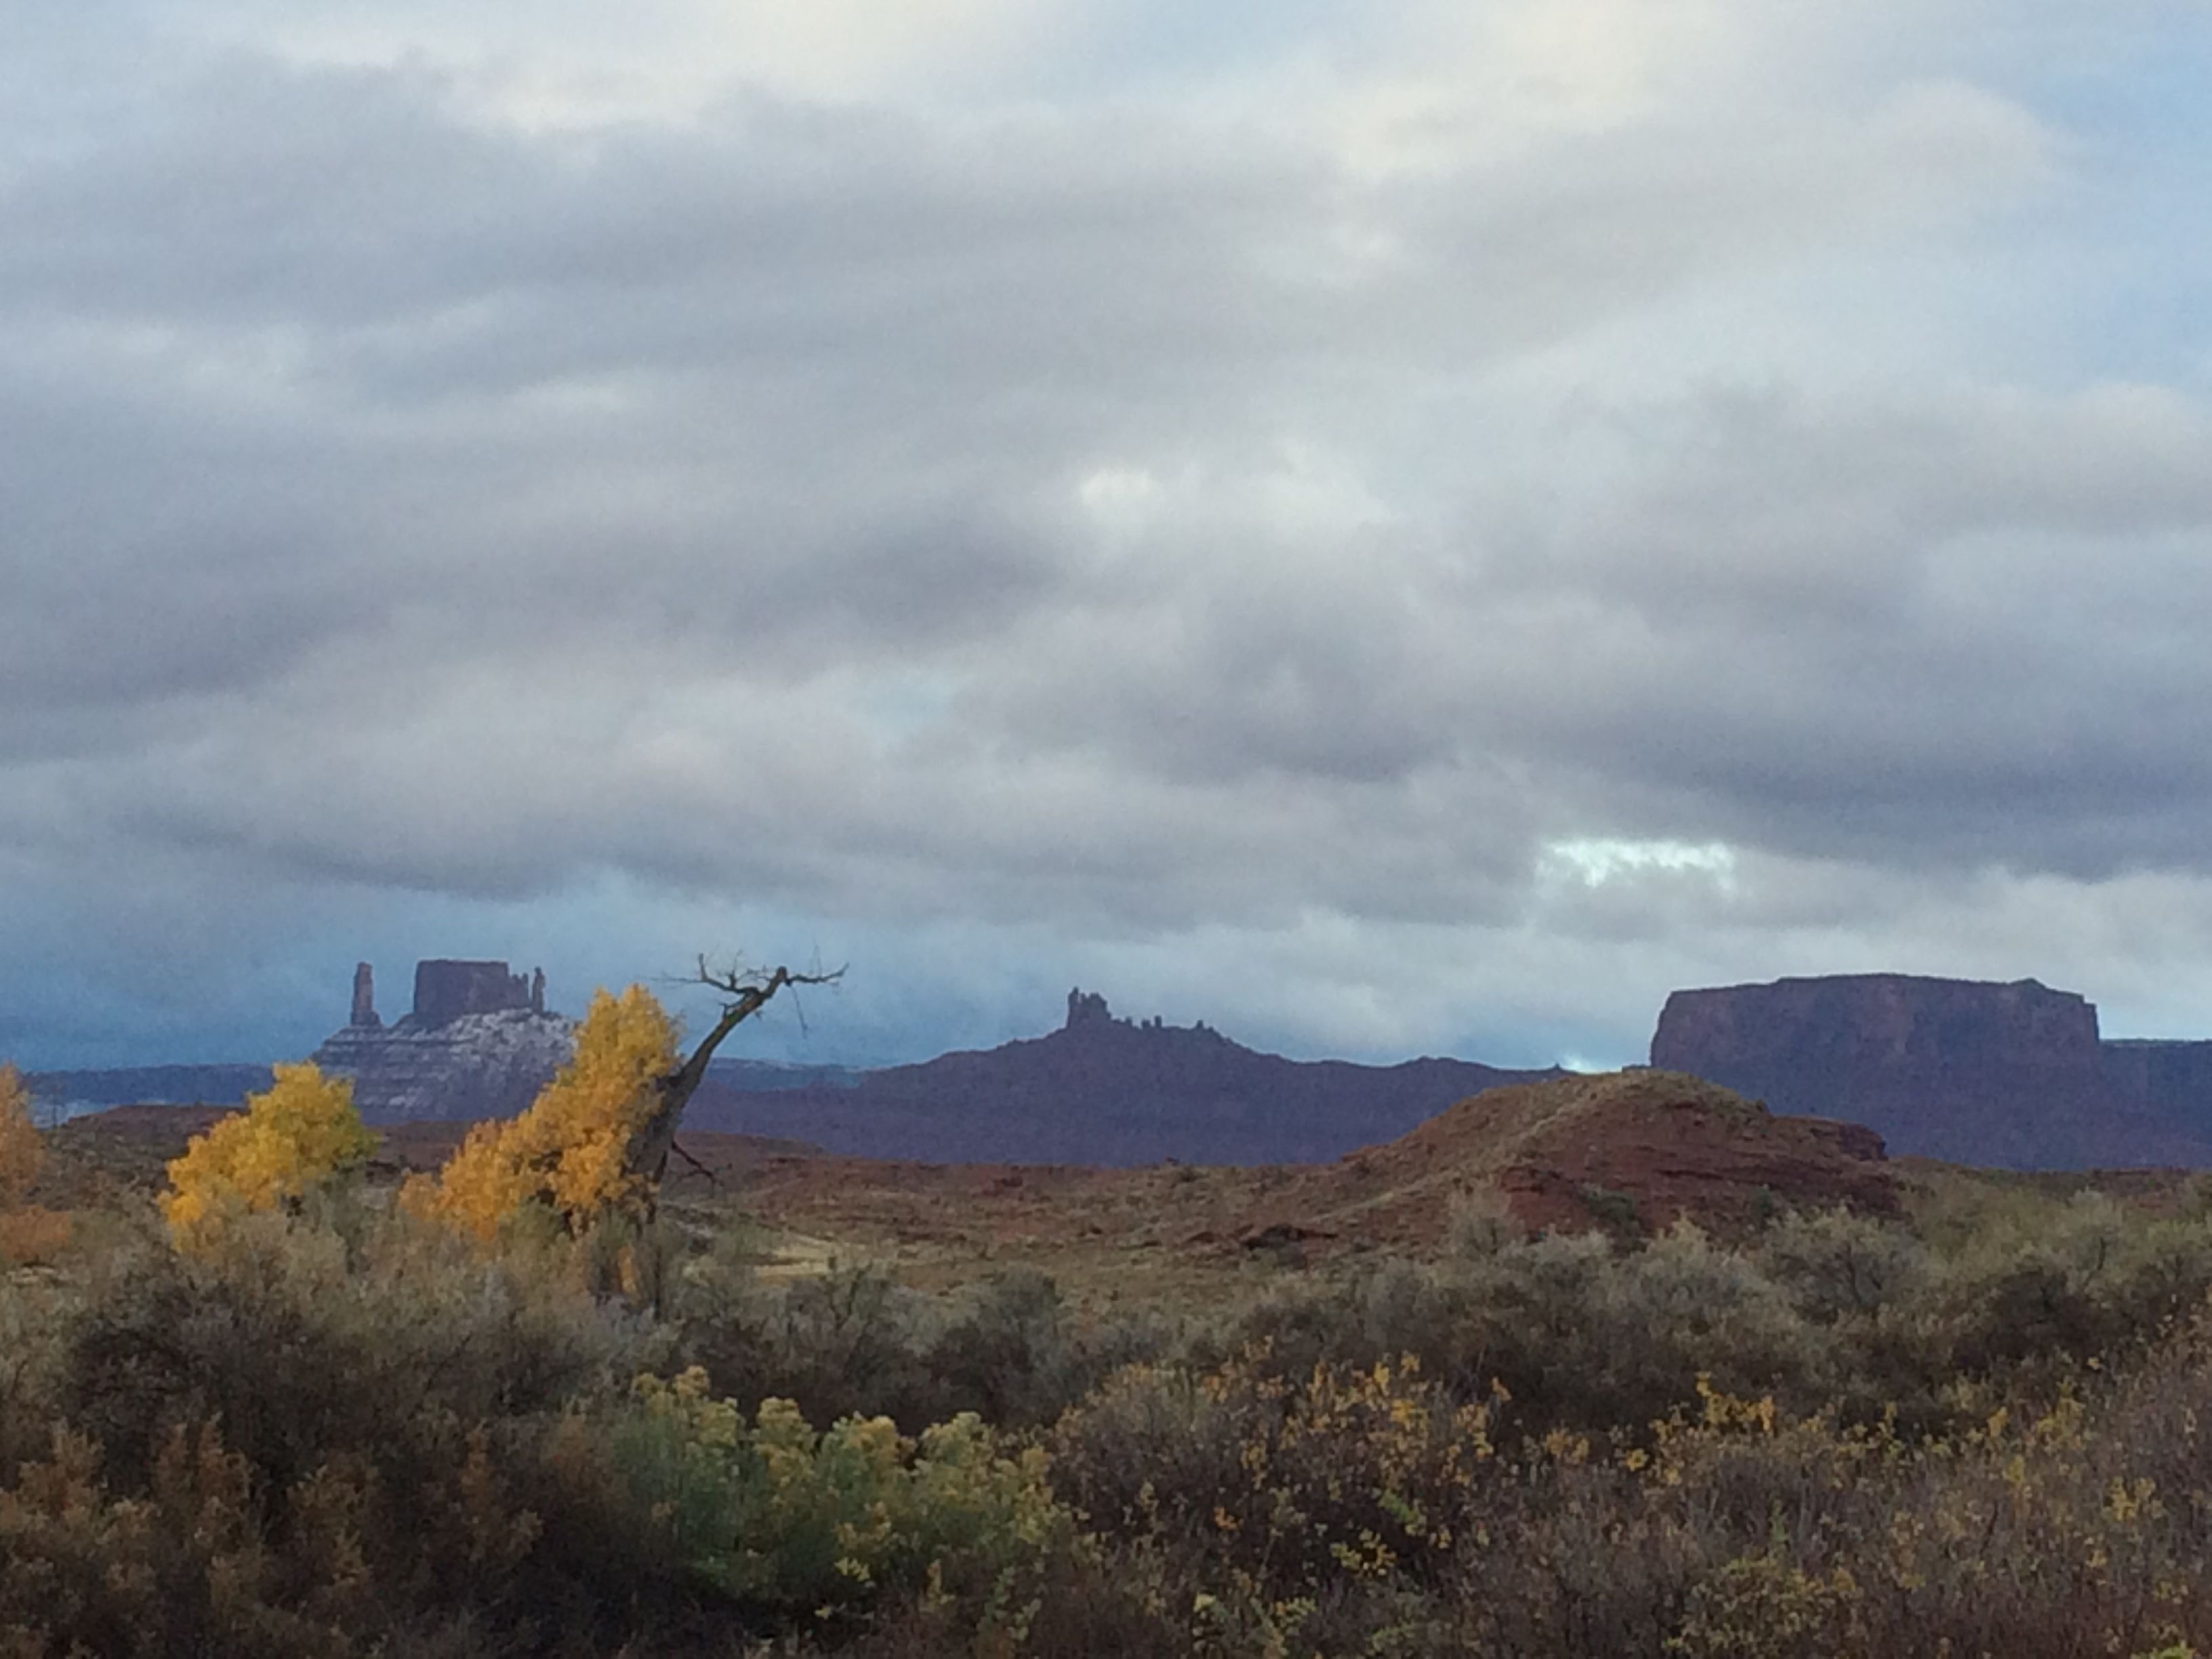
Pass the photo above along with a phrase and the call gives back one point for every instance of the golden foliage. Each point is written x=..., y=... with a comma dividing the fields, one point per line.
x=289, y=1138
x=570, y=1150
x=22, y=1149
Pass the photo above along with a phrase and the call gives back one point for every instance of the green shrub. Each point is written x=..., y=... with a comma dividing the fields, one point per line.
x=1580, y=1334
x=853, y=1341
x=1833, y=1265
x=1615, y=1211
x=305, y=1344
x=793, y=1522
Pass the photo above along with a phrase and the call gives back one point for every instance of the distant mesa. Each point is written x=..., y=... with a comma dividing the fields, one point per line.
x=2169, y=1079
x=445, y=990
x=2013, y=1074
x=478, y=1042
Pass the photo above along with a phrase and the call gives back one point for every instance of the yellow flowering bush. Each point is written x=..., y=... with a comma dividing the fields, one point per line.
x=780, y=1515
x=291, y=1138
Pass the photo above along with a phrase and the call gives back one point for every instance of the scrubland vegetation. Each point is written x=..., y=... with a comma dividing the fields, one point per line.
x=293, y=1417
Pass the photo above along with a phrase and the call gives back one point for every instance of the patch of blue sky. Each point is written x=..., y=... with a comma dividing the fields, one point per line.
x=2126, y=83
x=2122, y=258
x=1147, y=45
x=897, y=708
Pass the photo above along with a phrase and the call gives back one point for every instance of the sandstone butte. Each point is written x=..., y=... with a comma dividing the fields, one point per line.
x=478, y=1042
x=1971, y=1071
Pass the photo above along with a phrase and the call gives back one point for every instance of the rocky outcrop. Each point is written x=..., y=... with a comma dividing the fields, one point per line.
x=473, y=1065
x=446, y=990
x=1105, y=1091
x=1086, y=1007
x=364, y=1016
x=478, y=1044
x=1978, y=1073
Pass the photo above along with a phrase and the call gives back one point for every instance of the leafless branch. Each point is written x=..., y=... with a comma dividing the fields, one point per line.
x=744, y=992
x=679, y=1148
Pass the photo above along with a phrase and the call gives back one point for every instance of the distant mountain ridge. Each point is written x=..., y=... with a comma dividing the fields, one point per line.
x=1103, y=1090
x=760, y=1076
x=63, y=1095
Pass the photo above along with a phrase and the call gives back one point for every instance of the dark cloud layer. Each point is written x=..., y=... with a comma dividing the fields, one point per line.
x=1427, y=534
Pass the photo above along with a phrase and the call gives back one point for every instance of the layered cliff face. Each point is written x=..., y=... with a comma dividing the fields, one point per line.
x=2011, y=1074
x=474, y=1066
x=478, y=1044
x=2169, y=1081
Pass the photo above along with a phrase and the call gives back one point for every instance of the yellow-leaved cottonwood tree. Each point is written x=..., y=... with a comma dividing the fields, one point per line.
x=570, y=1150
x=22, y=1148
x=596, y=1140
x=294, y=1137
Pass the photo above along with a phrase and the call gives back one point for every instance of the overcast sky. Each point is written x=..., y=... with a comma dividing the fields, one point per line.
x=1389, y=527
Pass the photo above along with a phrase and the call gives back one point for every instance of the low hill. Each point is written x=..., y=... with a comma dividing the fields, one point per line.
x=1102, y=1090
x=1631, y=1150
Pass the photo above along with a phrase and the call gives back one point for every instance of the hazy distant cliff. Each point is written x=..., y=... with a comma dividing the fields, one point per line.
x=2172, y=1081
x=1973, y=1071
x=57, y=1094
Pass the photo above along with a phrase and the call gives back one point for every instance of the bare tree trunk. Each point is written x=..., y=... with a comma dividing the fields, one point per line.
x=747, y=994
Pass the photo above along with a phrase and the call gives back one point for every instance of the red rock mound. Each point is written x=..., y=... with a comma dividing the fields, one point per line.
x=1625, y=1150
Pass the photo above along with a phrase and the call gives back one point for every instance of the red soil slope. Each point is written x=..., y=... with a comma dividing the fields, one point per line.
x=1638, y=1148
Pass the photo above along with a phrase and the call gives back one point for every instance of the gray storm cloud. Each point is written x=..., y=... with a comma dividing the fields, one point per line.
x=1197, y=522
